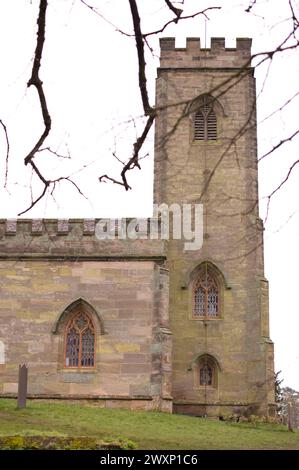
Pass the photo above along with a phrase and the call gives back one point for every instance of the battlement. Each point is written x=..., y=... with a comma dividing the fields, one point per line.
x=194, y=56
x=50, y=226
x=79, y=238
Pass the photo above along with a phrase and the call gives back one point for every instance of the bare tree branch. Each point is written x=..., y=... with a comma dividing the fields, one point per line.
x=48, y=149
x=176, y=11
x=238, y=135
x=47, y=185
x=38, y=84
x=283, y=141
x=228, y=84
x=148, y=110
x=7, y=152
x=67, y=178
x=250, y=6
x=175, y=20
x=279, y=187
x=36, y=81
x=294, y=17
x=289, y=43
x=33, y=203
x=134, y=160
x=103, y=178
x=284, y=105
x=285, y=179
x=97, y=12
x=117, y=158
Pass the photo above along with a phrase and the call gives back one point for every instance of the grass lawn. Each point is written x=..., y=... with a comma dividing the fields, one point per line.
x=149, y=430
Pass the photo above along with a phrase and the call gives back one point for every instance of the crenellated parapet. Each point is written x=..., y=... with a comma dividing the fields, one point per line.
x=194, y=56
x=81, y=238
x=39, y=226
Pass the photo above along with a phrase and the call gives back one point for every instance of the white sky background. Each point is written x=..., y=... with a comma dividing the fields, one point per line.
x=90, y=79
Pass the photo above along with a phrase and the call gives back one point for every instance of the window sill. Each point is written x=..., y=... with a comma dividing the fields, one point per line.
x=206, y=142
x=206, y=318
x=78, y=370
x=203, y=388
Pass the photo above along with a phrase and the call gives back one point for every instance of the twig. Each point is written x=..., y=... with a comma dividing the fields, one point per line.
x=47, y=185
x=283, y=141
x=279, y=187
x=48, y=149
x=187, y=17
x=118, y=159
x=7, y=152
x=67, y=178
x=96, y=11
x=106, y=177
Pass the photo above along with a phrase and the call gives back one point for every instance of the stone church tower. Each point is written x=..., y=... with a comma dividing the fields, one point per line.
x=206, y=152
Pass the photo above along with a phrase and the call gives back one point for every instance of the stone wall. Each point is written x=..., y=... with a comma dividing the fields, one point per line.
x=221, y=174
x=124, y=287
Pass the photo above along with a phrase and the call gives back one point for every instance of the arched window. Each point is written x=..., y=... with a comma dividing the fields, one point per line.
x=206, y=296
x=207, y=372
x=206, y=369
x=80, y=341
x=205, y=122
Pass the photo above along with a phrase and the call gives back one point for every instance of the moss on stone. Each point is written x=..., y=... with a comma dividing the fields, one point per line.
x=19, y=442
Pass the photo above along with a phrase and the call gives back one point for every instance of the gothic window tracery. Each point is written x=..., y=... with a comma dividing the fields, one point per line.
x=80, y=341
x=206, y=296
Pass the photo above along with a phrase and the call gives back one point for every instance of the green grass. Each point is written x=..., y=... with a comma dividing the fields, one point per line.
x=150, y=430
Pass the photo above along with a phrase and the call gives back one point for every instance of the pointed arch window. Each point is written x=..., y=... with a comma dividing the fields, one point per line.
x=207, y=372
x=206, y=296
x=205, y=122
x=206, y=375
x=80, y=341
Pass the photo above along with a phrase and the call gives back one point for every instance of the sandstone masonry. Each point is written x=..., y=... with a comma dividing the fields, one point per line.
x=140, y=293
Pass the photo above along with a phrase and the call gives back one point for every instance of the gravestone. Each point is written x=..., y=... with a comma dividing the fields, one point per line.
x=22, y=386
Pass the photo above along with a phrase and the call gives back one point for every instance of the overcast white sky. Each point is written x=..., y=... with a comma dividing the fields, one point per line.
x=90, y=78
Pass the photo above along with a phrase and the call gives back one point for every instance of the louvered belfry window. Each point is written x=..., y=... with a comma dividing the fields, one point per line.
x=80, y=341
x=205, y=123
x=206, y=297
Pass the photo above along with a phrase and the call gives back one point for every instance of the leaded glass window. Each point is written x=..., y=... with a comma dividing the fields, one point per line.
x=80, y=341
x=207, y=372
x=199, y=307
x=206, y=375
x=206, y=297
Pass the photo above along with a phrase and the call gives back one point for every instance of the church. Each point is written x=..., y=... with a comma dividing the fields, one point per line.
x=144, y=323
